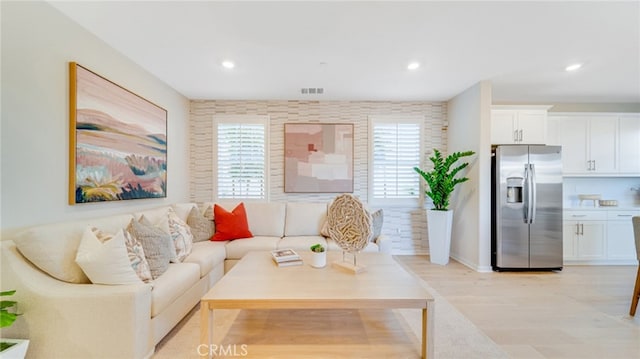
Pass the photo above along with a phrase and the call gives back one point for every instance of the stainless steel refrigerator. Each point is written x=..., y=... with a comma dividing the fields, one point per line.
x=526, y=207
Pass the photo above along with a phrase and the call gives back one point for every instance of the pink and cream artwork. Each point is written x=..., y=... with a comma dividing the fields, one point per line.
x=118, y=142
x=318, y=157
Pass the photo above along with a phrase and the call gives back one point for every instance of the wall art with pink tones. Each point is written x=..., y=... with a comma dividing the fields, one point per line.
x=318, y=157
x=118, y=141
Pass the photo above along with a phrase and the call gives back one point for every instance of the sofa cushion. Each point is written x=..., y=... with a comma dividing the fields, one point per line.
x=156, y=245
x=304, y=219
x=176, y=281
x=162, y=223
x=208, y=210
x=202, y=228
x=155, y=215
x=207, y=255
x=53, y=247
x=230, y=225
x=301, y=243
x=104, y=258
x=266, y=219
x=333, y=246
x=183, y=209
x=137, y=258
x=237, y=249
x=181, y=235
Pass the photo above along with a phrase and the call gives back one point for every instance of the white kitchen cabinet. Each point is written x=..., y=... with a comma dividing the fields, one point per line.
x=603, y=236
x=553, y=137
x=583, y=236
x=629, y=144
x=584, y=240
x=570, y=231
x=620, y=241
x=519, y=124
x=589, y=144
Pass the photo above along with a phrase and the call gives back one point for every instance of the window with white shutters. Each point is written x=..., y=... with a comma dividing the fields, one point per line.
x=240, y=157
x=395, y=148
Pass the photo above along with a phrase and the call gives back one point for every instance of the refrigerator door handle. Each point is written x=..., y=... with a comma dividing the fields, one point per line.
x=525, y=199
x=534, y=193
x=515, y=136
x=527, y=208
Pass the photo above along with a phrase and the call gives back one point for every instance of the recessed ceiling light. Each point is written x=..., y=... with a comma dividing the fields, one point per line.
x=228, y=64
x=573, y=67
x=413, y=65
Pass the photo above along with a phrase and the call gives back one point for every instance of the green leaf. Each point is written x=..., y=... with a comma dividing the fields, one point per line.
x=7, y=304
x=6, y=345
x=441, y=181
x=6, y=318
x=8, y=292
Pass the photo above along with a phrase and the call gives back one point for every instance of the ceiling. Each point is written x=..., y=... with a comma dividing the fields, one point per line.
x=360, y=50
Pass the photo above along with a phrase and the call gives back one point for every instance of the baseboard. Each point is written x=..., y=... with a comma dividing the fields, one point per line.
x=479, y=269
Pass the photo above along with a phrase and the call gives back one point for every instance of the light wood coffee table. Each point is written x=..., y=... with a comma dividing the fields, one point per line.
x=255, y=282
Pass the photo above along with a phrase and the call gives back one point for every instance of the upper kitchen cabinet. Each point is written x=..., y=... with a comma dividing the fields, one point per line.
x=588, y=144
x=597, y=144
x=629, y=144
x=518, y=124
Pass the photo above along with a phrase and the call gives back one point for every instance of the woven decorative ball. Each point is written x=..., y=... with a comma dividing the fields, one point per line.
x=349, y=223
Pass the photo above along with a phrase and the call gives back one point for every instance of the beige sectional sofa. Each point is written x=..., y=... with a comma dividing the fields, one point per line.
x=65, y=316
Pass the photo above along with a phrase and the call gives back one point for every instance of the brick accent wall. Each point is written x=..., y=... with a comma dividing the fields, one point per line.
x=406, y=225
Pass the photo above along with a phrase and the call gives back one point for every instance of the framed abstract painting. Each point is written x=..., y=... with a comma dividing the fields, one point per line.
x=318, y=157
x=117, y=141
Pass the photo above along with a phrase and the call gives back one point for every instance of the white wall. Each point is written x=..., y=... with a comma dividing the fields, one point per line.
x=469, y=129
x=406, y=225
x=37, y=44
x=625, y=190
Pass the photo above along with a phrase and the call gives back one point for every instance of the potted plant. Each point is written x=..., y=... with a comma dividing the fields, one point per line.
x=10, y=348
x=441, y=182
x=318, y=256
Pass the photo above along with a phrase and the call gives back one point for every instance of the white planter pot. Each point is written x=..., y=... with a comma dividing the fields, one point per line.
x=318, y=259
x=17, y=351
x=439, y=228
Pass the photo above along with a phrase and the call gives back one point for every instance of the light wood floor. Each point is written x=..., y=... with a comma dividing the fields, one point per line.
x=579, y=312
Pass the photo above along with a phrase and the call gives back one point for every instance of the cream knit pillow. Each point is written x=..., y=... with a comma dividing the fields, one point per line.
x=104, y=258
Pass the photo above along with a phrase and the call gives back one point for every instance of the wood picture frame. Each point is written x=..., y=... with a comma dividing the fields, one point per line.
x=117, y=141
x=318, y=157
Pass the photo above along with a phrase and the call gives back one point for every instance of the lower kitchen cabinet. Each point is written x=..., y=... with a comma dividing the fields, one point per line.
x=598, y=237
x=620, y=243
x=584, y=240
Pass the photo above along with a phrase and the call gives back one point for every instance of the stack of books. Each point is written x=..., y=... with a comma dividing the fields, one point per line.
x=286, y=257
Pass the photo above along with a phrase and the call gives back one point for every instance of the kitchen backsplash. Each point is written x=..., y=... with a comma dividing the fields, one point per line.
x=625, y=190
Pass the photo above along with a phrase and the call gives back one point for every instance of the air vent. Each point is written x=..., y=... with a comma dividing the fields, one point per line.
x=312, y=90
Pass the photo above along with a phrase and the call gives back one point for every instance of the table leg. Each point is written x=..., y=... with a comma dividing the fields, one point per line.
x=206, y=330
x=428, y=324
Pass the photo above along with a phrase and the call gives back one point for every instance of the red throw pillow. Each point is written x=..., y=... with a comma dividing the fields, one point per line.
x=230, y=225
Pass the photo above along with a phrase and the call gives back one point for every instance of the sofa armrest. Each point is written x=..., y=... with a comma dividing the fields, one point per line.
x=64, y=320
x=385, y=243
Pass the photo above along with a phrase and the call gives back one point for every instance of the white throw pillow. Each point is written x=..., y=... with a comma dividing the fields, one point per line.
x=104, y=258
x=181, y=235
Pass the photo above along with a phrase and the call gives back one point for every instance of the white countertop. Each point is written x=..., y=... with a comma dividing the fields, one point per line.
x=603, y=208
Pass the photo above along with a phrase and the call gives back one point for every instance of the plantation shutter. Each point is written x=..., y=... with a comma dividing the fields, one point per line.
x=241, y=160
x=396, y=149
